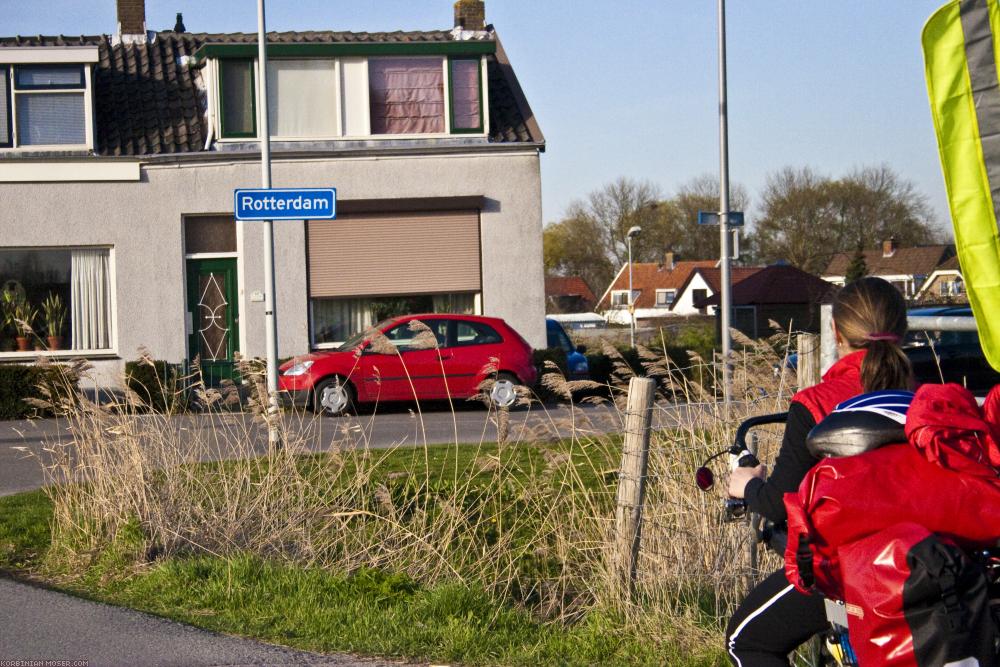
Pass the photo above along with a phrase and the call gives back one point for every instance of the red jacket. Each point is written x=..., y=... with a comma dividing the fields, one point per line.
x=841, y=382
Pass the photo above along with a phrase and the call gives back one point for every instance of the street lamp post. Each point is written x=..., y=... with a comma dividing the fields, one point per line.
x=633, y=231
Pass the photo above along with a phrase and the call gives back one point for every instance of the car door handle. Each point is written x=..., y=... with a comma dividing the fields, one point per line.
x=446, y=356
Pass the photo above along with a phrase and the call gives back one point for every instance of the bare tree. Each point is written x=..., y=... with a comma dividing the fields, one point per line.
x=806, y=218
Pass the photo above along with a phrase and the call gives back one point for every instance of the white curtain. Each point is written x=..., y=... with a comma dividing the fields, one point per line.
x=303, y=99
x=336, y=320
x=90, y=300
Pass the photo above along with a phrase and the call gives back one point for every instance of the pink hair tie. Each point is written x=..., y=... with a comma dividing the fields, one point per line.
x=887, y=336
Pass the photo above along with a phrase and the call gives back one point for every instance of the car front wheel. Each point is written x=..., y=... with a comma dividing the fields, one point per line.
x=333, y=396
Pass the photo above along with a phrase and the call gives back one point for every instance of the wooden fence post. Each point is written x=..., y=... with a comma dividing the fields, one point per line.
x=808, y=363
x=632, y=478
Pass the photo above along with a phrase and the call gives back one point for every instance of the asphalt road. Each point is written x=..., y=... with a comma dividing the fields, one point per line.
x=23, y=442
x=42, y=625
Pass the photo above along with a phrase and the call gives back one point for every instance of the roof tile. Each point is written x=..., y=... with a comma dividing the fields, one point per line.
x=146, y=104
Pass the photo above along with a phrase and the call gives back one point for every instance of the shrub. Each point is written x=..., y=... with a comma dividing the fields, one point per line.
x=23, y=385
x=158, y=384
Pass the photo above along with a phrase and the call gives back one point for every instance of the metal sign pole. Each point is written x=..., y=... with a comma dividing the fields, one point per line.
x=725, y=294
x=270, y=318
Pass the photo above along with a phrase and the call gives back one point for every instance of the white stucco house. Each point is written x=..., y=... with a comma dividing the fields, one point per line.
x=119, y=156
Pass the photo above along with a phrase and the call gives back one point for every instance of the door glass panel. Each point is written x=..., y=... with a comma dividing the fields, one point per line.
x=213, y=317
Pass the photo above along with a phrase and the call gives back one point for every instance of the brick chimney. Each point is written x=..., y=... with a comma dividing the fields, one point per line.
x=889, y=247
x=132, y=17
x=469, y=14
x=668, y=260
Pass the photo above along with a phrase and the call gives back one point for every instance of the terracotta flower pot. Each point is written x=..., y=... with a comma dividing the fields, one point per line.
x=23, y=344
x=55, y=342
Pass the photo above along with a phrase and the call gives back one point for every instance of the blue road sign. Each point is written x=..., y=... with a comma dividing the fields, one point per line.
x=286, y=204
x=712, y=218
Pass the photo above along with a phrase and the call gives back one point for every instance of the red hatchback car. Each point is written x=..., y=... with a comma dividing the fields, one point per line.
x=334, y=382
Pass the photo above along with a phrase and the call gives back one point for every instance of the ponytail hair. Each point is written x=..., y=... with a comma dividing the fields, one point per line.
x=870, y=314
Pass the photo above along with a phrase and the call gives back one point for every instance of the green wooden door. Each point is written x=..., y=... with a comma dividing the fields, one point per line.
x=214, y=317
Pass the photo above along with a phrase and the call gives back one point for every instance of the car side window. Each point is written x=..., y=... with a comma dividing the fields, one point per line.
x=405, y=338
x=475, y=333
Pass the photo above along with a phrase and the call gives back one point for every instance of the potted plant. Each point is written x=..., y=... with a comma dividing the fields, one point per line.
x=54, y=312
x=7, y=300
x=24, y=316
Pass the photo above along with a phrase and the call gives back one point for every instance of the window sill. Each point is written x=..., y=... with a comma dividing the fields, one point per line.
x=58, y=355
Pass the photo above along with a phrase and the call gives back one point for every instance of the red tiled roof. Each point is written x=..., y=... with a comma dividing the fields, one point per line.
x=647, y=277
x=918, y=261
x=568, y=286
x=778, y=284
x=737, y=274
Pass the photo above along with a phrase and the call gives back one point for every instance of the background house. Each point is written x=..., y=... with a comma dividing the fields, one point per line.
x=782, y=293
x=944, y=285
x=121, y=153
x=703, y=283
x=568, y=294
x=906, y=268
x=655, y=287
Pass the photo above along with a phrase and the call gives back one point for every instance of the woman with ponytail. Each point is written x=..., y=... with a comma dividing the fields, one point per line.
x=869, y=320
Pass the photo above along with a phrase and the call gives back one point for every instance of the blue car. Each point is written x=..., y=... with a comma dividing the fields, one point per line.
x=576, y=362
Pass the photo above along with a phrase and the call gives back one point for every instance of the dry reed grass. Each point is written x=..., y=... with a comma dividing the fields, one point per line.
x=530, y=520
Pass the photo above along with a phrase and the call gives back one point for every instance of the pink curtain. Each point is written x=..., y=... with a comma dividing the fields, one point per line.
x=465, y=94
x=407, y=95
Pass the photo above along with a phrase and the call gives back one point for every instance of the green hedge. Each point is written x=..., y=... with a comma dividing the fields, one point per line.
x=158, y=384
x=22, y=381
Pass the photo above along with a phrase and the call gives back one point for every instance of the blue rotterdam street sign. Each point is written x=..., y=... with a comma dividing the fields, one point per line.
x=713, y=218
x=286, y=204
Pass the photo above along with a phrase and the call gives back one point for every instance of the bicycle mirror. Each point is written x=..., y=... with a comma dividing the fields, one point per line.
x=704, y=478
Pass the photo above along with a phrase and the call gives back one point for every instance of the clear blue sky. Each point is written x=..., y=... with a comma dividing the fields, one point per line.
x=628, y=88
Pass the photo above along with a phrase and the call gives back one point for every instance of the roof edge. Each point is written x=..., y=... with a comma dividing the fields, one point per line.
x=507, y=70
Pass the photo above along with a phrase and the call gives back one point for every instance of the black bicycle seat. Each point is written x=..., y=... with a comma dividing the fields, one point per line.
x=861, y=424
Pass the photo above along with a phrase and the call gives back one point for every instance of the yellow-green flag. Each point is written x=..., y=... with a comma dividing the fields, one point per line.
x=961, y=42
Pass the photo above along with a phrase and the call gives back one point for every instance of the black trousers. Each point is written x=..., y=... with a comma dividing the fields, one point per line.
x=771, y=622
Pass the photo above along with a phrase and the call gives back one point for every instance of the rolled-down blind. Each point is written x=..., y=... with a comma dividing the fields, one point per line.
x=369, y=254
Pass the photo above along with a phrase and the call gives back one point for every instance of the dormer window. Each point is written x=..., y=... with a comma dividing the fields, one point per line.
x=45, y=105
x=406, y=95
x=370, y=96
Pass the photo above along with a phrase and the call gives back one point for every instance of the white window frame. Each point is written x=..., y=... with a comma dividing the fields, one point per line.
x=109, y=353
x=619, y=298
x=13, y=93
x=670, y=297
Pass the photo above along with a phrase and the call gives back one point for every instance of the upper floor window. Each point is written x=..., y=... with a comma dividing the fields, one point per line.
x=665, y=297
x=466, y=96
x=44, y=105
x=406, y=95
x=237, y=98
x=322, y=98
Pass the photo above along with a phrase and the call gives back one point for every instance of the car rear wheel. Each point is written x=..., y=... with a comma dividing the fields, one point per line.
x=333, y=396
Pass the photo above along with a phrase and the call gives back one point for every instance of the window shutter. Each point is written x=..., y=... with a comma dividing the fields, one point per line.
x=367, y=254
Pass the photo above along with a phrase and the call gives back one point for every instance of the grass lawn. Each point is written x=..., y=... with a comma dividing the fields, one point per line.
x=366, y=612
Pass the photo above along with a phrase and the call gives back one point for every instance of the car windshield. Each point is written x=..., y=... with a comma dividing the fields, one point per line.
x=353, y=341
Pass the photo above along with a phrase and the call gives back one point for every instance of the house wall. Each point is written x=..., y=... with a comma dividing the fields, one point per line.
x=931, y=292
x=685, y=300
x=143, y=222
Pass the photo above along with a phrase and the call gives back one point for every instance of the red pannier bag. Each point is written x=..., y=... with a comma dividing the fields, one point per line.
x=915, y=599
x=860, y=514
